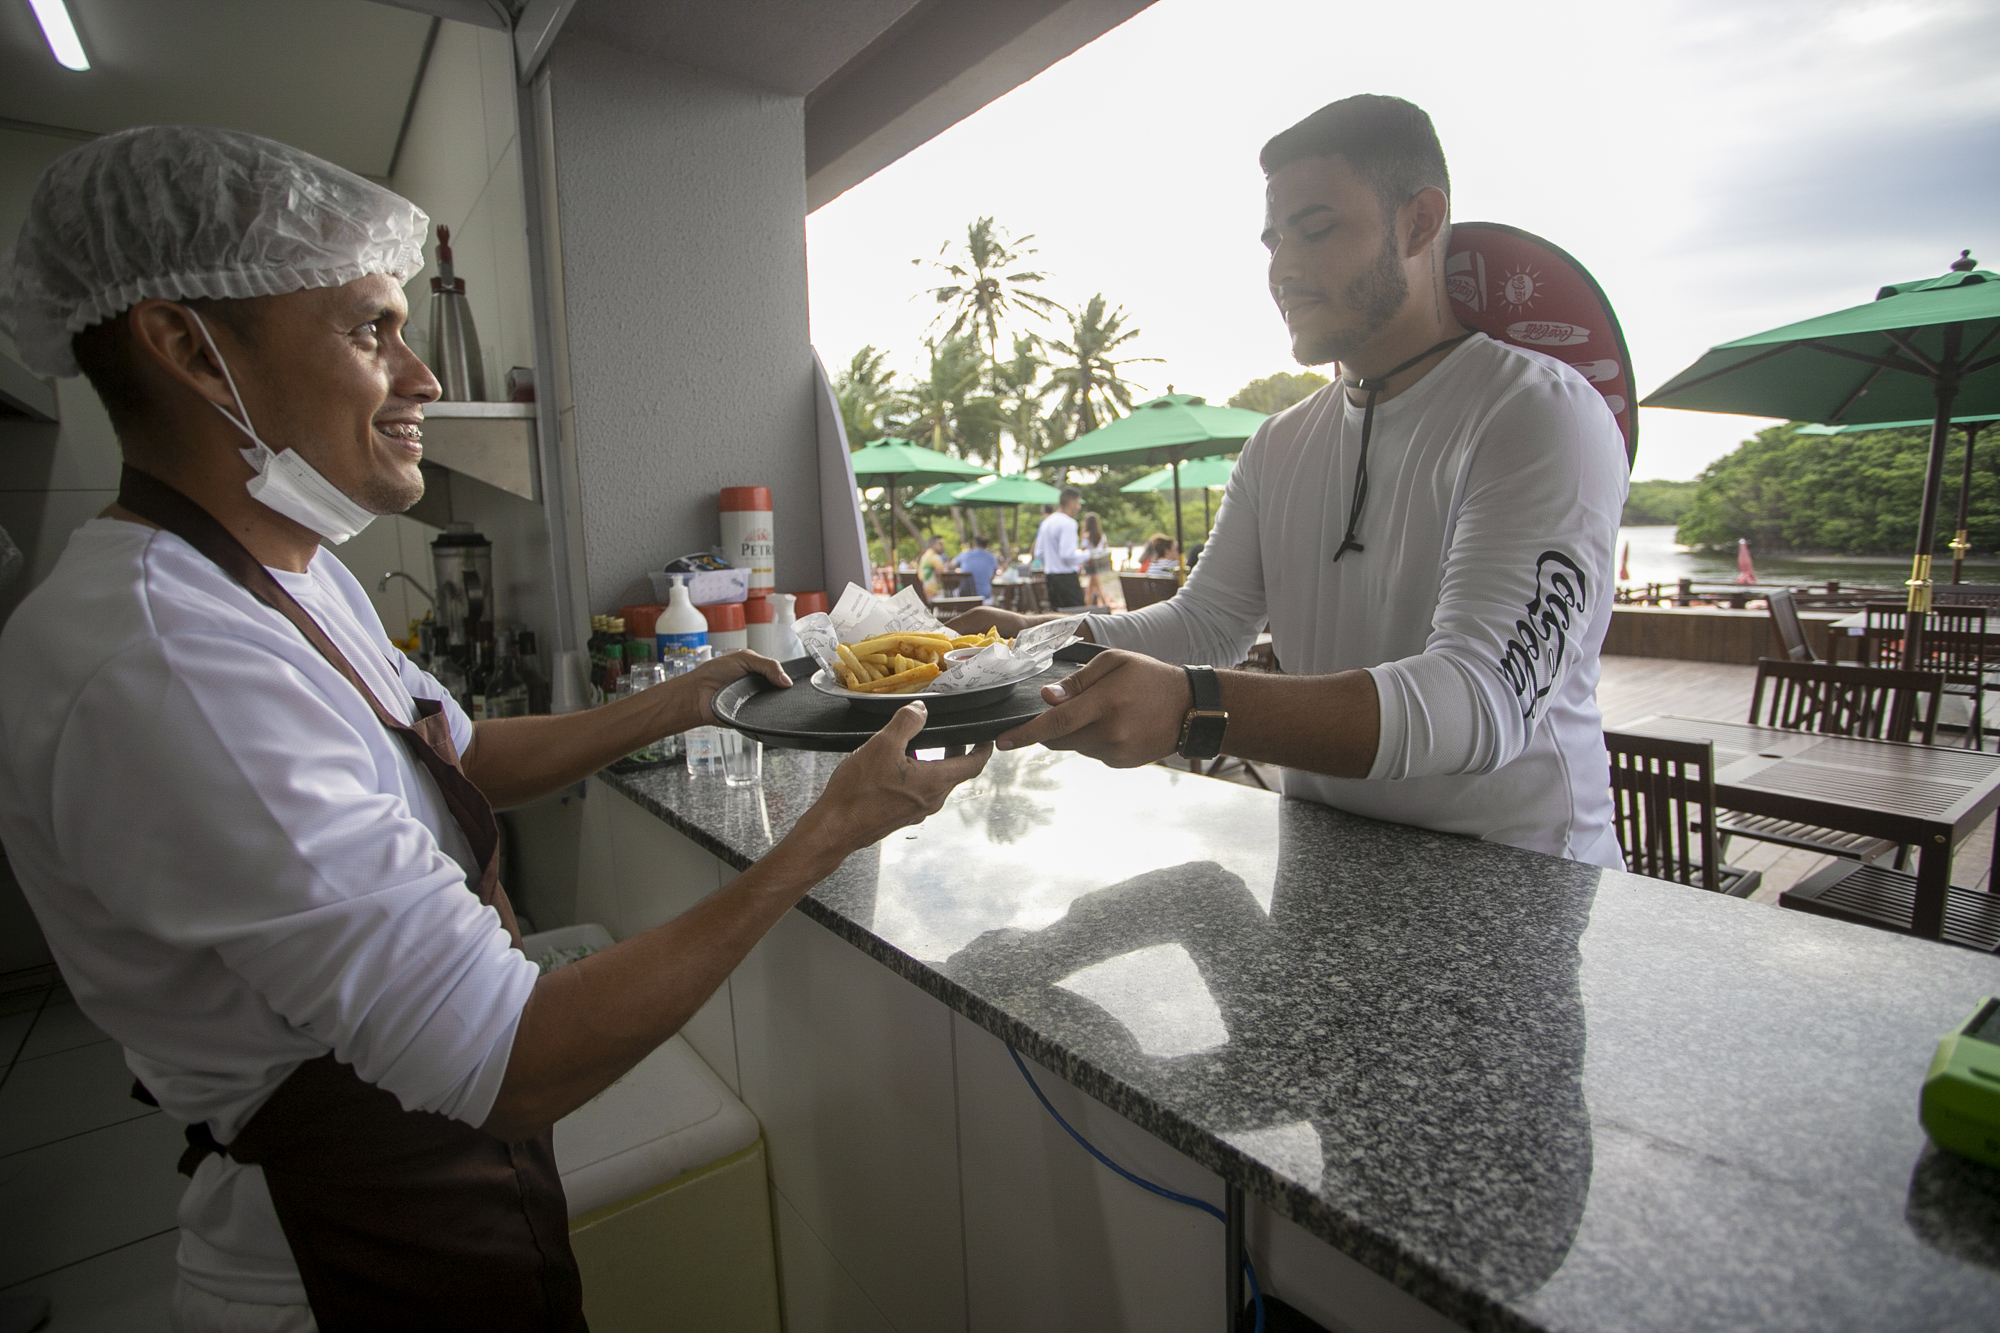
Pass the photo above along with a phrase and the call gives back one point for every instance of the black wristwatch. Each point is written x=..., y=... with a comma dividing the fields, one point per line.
x=1201, y=729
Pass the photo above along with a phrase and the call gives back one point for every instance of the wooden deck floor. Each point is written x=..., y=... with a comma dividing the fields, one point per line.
x=1636, y=687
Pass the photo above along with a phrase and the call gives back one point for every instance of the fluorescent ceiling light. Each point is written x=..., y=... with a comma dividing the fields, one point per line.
x=63, y=41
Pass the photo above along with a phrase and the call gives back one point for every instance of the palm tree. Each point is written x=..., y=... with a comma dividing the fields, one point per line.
x=948, y=410
x=864, y=390
x=1094, y=389
x=980, y=296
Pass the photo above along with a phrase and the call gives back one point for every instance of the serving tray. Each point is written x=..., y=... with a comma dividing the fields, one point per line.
x=803, y=718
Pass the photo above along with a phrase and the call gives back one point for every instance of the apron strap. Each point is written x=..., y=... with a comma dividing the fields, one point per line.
x=429, y=741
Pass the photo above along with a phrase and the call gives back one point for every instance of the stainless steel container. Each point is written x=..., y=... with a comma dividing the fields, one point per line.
x=455, y=357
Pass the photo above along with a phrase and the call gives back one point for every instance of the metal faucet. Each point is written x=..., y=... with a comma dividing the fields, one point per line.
x=383, y=586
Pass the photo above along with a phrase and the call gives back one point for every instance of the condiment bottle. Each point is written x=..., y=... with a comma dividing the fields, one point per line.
x=747, y=536
x=784, y=625
x=681, y=631
x=759, y=623
x=727, y=631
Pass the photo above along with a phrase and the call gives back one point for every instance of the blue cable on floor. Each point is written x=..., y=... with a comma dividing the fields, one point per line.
x=1249, y=1269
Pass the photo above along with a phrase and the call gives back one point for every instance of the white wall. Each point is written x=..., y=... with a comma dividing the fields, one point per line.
x=460, y=164
x=682, y=264
x=52, y=478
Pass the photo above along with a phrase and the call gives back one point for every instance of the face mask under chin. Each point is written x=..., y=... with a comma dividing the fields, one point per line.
x=285, y=482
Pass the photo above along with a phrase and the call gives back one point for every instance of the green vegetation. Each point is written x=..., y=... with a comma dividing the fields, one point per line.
x=1657, y=502
x=1853, y=494
x=1275, y=393
x=1008, y=374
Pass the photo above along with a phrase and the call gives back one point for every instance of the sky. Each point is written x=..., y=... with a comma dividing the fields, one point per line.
x=1721, y=166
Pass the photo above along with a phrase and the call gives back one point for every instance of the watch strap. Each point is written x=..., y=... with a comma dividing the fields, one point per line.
x=1202, y=728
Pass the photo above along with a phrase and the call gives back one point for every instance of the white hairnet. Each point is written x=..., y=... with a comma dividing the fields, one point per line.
x=181, y=211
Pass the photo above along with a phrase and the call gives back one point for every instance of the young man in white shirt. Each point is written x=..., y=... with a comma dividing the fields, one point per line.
x=1059, y=551
x=1430, y=538
x=215, y=788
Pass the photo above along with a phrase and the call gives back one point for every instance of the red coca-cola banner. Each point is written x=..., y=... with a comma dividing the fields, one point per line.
x=1517, y=288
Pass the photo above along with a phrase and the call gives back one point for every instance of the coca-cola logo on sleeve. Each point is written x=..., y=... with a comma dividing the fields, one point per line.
x=1533, y=659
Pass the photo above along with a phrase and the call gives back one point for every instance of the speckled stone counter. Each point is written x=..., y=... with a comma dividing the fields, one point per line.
x=1533, y=1094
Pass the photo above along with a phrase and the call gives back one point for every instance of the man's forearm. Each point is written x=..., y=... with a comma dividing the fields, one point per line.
x=517, y=759
x=1318, y=724
x=586, y=1024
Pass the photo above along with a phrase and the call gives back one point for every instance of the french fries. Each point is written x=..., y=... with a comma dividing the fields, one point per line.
x=902, y=663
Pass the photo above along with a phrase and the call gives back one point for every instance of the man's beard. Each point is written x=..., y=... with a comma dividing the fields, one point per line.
x=1375, y=296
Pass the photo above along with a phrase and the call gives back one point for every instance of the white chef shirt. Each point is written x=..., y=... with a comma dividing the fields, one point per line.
x=1055, y=544
x=1479, y=605
x=236, y=865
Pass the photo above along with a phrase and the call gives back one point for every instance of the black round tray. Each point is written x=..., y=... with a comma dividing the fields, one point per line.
x=802, y=718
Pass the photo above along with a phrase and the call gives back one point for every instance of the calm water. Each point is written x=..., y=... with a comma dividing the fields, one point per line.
x=1656, y=559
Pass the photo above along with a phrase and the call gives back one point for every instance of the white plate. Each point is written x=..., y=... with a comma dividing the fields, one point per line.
x=825, y=682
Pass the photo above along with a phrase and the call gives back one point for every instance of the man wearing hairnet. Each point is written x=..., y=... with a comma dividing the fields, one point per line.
x=259, y=839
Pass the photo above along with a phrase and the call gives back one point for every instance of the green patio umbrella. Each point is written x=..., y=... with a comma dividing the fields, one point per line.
x=1168, y=430
x=892, y=461
x=996, y=493
x=1919, y=350
x=1207, y=473
x=1960, y=543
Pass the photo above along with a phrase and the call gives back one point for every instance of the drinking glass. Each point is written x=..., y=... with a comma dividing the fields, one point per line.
x=742, y=759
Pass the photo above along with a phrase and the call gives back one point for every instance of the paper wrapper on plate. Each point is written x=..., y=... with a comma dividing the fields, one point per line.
x=998, y=664
x=860, y=614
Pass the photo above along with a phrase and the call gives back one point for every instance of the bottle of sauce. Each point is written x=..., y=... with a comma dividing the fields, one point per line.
x=747, y=538
x=758, y=622
x=728, y=631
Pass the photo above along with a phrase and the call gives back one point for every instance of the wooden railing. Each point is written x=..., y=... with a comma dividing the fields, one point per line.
x=1688, y=592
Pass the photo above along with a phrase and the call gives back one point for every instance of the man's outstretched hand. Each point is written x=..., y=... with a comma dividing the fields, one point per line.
x=881, y=787
x=1121, y=708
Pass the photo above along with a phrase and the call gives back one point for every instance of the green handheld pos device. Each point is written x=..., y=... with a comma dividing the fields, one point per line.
x=1961, y=1102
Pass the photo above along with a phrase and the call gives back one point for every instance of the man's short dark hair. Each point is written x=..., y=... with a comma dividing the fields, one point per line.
x=1389, y=142
x=1069, y=493
x=980, y=542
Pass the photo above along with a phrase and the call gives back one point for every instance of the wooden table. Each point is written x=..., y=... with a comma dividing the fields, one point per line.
x=1921, y=795
x=944, y=608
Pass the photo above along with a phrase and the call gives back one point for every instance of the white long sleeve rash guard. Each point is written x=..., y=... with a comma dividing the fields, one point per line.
x=1478, y=606
x=237, y=865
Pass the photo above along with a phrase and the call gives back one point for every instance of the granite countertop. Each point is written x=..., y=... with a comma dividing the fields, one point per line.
x=1535, y=1094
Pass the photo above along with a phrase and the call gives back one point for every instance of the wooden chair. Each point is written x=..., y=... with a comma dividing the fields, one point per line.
x=1954, y=646
x=913, y=580
x=1872, y=703
x=1144, y=590
x=957, y=583
x=1663, y=807
x=1791, y=631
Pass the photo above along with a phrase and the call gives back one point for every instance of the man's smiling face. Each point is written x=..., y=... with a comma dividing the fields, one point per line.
x=1336, y=268
x=330, y=376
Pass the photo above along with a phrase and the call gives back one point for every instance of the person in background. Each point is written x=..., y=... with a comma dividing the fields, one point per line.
x=931, y=564
x=1056, y=546
x=1159, y=550
x=1097, y=561
x=259, y=839
x=980, y=562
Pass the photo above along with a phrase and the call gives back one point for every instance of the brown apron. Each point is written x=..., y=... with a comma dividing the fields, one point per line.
x=397, y=1219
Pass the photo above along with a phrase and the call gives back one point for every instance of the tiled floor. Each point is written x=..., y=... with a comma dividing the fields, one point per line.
x=87, y=1181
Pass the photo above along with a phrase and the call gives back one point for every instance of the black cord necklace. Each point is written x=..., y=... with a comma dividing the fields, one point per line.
x=1373, y=388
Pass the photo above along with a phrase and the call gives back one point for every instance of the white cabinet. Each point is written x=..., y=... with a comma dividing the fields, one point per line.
x=849, y=1069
